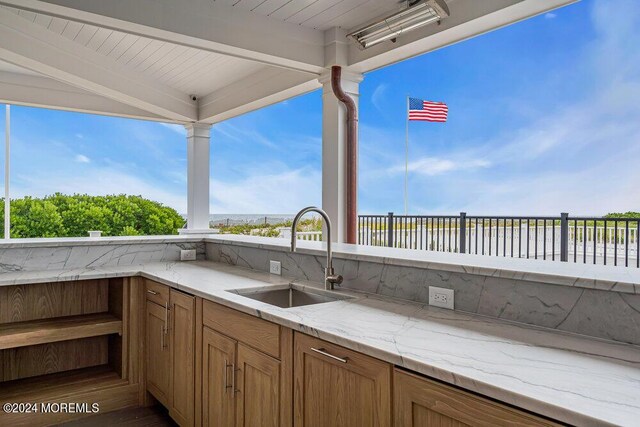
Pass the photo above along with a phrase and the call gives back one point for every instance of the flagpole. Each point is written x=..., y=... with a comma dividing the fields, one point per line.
x=406, y=158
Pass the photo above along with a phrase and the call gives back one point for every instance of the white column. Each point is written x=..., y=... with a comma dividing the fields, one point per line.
x=334, y=132
x=198, y=144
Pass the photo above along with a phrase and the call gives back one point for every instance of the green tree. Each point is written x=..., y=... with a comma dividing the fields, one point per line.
x=60, y=215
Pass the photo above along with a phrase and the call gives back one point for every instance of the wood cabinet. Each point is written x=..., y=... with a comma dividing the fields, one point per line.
x=218, y=391
x=421, y=402
x=258, y=389
x=170, y=350
x=182, y=346
x=158, y=357
x=246, y=377
x=337, y=387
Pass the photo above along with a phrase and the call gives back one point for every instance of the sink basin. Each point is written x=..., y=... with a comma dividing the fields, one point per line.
x=290, y=296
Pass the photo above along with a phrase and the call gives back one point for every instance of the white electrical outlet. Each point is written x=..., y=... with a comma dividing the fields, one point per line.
x=275, y=267
x=441, y=297
x=188, y=255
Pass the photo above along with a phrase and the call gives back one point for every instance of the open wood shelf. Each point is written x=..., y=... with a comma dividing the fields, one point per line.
x=61, y=384
x=35, y=332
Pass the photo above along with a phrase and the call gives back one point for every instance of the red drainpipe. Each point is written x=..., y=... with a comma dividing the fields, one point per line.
x=352, y=153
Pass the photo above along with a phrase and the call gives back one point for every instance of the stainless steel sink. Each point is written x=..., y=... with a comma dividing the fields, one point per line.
x=290, y=296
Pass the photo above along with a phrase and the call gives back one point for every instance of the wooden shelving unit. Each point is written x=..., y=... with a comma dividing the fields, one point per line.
x=22, y=334
x=68, y=342
x=45, y=387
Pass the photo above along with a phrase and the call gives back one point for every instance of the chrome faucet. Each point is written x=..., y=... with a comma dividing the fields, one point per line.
x=330, y=278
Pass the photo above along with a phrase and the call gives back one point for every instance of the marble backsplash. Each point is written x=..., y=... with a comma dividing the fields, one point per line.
x=603, y=314
x=71, y=255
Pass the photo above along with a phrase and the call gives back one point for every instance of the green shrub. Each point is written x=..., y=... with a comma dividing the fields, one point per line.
x=61, y=215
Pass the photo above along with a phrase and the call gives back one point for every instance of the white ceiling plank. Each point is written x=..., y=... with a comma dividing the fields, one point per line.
x=71, y=30
x=270, y=6
x=37, y=91
x=369, y=9
x=85, y=34
x=99, y=38
x=29, y=16
x=161, y=53
x=189, y=66
x=291, y=8
x=110, y=43
x=321, y=19
x=135, y=49
x=166, y=71
x=313, y=10
x=32, y=47
x=58, y=25
x=226, y=2
x=151, y=49
x=122, y=46
x=171, y=59
x=248, y=4
x=43, y=20
x=252, y=93
x=202, y=24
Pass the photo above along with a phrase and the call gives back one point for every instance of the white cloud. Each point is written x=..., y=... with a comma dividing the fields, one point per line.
x=377, y=97
x=179, y=129
x=79, y=136
x=81, y=158
x=284, y=191
x=432, y=166
x=243, y=135
x=550, y=15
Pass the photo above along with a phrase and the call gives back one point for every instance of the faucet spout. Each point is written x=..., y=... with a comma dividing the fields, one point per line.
x=330, y=278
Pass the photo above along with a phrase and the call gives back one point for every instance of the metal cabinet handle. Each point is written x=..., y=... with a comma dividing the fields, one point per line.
x=162, y=336
x=323, y=352
x=165, y=331
x=226, y=371
x=149, y=291
x=233, y=378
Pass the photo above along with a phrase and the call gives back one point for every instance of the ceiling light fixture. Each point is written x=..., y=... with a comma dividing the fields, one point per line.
x=414, y=16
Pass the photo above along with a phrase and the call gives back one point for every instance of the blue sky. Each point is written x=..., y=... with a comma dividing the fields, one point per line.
x=544, y=117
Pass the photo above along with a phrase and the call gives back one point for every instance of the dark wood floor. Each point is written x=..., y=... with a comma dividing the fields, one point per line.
x=153, y=416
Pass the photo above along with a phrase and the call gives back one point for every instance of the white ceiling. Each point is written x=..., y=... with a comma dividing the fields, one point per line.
x=186, y=69
x=317, y=14
x=146, y=58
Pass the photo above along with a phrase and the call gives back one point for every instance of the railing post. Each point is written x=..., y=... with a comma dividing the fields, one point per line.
x=463, y=233
x=390, y=229
x=564, y=237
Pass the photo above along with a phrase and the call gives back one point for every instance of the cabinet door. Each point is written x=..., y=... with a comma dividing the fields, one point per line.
x=258, y=389
x=182, y=332
x=218, y=363
x=158, y=358
x=420, y=402
x=337, y=387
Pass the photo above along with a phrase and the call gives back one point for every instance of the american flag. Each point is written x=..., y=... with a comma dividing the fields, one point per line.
x=427, y=111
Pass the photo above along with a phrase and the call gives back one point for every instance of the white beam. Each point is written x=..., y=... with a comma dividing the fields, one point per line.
x=203, y=24
x=253, y=92
x=198, y=144
x=334, y=165
x=469, y=18
x=33, y=47
x=43, y=92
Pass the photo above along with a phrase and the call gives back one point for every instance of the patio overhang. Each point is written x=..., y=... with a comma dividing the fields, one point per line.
x=205, y=61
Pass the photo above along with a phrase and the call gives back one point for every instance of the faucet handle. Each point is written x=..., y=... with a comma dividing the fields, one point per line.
x=335, y=279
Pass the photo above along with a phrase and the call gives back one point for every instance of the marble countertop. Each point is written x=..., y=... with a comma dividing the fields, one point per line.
x=574, y=379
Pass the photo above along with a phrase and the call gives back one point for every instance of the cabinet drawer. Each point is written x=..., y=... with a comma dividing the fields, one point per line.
x=257, y=333
x=156, y=292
